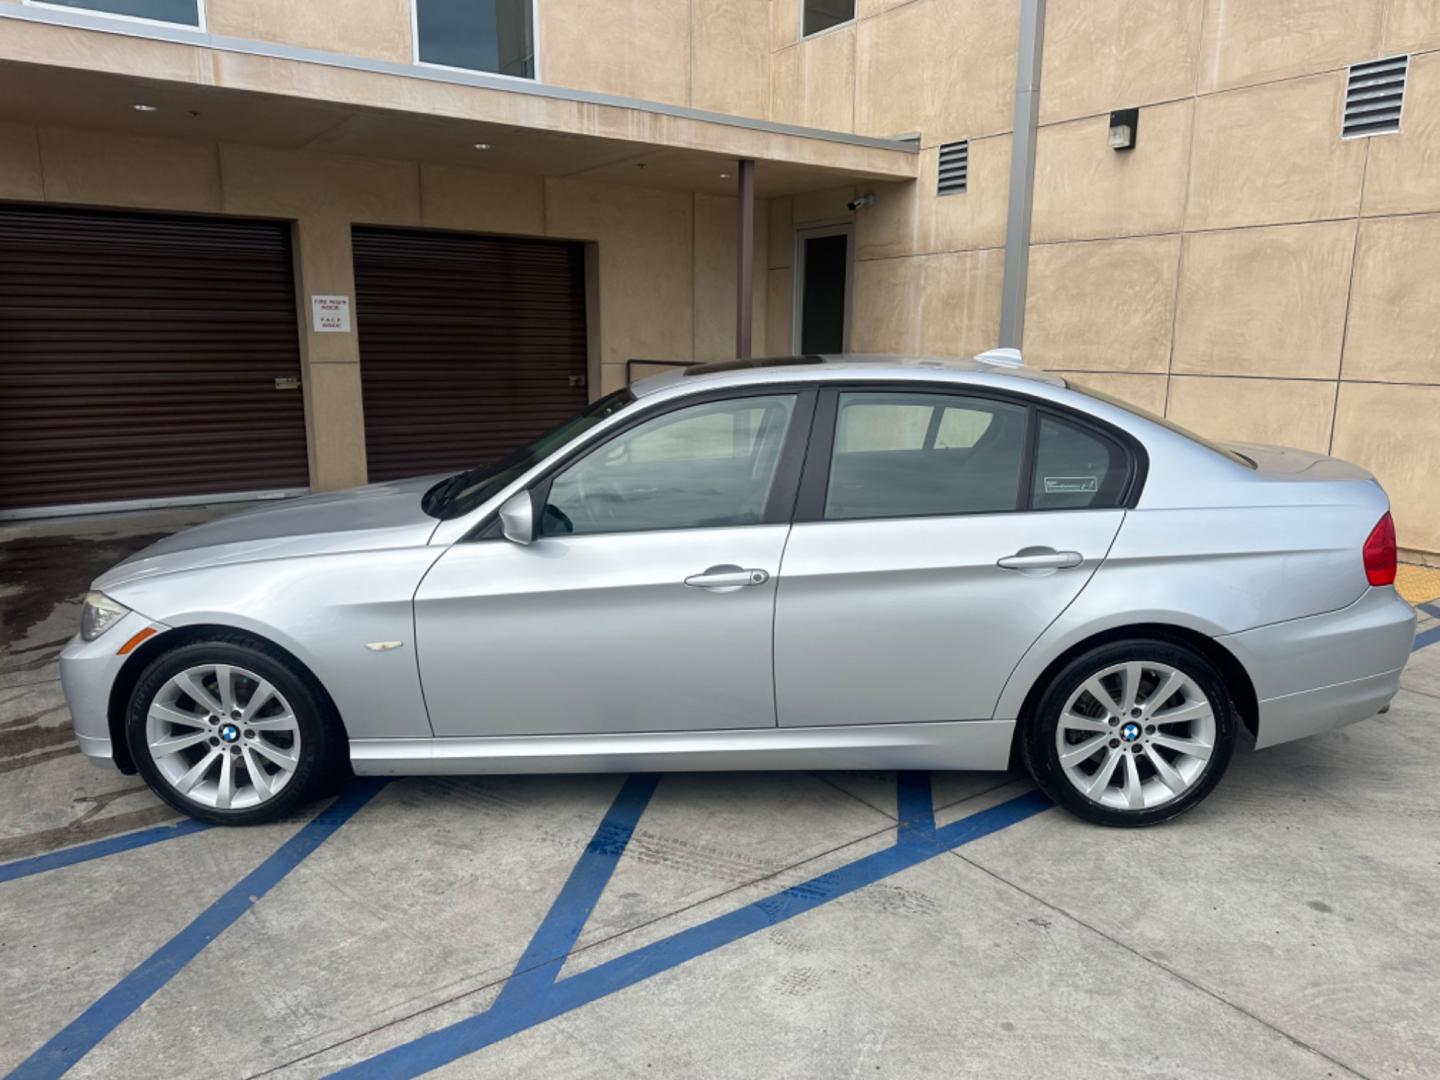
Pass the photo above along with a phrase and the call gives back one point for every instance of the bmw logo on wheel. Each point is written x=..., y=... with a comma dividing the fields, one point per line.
x=1130, y=732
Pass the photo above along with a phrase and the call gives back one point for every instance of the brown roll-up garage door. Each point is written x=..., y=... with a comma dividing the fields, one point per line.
x=469, y=345
x=139, y=354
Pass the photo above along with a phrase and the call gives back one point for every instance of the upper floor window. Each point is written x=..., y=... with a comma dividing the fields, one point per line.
x=820, y=15
x=181, y=12
x=478, y=35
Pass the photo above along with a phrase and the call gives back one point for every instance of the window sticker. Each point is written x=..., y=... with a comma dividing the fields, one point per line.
x=1070, y=485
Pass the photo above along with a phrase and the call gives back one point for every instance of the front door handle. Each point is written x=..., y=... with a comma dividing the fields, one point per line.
x=1040, y=558
x=726, y=578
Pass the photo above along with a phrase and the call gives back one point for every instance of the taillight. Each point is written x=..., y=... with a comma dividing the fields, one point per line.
x=1379, y=552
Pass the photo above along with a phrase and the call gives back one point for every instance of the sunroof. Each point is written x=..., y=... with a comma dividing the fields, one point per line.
x=743, y=365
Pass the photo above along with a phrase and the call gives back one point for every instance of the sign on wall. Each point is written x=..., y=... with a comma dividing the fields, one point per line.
x=331, y=314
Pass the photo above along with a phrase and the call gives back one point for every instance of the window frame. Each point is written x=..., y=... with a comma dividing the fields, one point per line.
x=854, y=18
x=534, y=38
x=784, y=488
x=77, y=9
x=815, y=479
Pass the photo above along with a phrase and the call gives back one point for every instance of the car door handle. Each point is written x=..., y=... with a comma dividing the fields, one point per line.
x=1040, y=559
x=727, y=577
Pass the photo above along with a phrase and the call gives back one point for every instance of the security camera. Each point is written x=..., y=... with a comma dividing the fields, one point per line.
x=862, y=201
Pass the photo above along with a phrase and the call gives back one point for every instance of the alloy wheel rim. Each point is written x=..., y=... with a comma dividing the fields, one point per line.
x=223, y=737
x=1135, y=736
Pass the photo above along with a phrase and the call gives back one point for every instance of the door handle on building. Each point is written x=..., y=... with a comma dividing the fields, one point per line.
x=727, y=577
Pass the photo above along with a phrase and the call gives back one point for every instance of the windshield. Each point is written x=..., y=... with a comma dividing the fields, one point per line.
x=1235, y=456
x=459, y=494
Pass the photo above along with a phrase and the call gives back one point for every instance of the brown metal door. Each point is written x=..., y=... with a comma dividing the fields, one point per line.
x=138, y=357
x=469, y=345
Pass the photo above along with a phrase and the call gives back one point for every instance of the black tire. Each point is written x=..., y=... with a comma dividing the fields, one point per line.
x=1038, y=732
x=323, y=745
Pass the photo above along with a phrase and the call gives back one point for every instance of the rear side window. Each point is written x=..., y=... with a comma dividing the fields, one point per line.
x=912, y=455
x=1076, y=467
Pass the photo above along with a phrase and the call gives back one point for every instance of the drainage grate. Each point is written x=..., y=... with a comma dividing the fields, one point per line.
x=1374, y=96
x=954, y=167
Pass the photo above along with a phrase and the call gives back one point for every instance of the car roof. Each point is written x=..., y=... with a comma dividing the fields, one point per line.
x=828, y=367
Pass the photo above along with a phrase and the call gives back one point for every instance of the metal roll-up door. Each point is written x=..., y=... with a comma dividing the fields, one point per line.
x=139, y=355
x=469, y=345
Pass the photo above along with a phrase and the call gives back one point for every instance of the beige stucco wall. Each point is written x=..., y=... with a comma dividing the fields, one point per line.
x=1242, y=270
x=656, y=251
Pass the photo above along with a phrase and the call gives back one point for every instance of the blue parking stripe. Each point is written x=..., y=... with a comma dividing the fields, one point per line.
x=542, y=959
x=83, y=1033
x=915, y=806
x=477, y=1032
x=1426, y=637
x=98, y=849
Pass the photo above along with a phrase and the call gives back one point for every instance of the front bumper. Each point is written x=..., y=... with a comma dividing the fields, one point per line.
x=1325, y=671
x=88, y=670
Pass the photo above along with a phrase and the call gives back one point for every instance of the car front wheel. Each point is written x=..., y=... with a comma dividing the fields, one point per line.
x=226, y=731
x=1131, y=733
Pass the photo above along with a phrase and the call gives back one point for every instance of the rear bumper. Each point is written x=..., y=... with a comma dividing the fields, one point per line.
x=1325, y=671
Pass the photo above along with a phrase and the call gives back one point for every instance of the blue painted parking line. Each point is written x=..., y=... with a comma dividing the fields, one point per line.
x=99, y=849
x=542, y=959
x=81, y=1036
x=500, y=1021
x=915, y=806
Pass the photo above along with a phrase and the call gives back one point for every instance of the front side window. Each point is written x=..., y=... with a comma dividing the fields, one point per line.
x=479, y=35
x=822, y=14
x=1076, y=468
x=703, y=466
x=183, y=12
x=912, y=455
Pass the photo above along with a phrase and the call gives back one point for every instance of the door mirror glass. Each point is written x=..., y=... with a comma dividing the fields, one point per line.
x=918, y=455
x=517, y=518
x=702, y=466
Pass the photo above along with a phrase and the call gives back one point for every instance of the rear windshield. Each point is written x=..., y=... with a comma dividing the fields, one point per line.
x=1135, y=410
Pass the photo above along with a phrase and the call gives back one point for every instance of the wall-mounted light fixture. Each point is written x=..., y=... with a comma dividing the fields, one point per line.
x=1124, y=127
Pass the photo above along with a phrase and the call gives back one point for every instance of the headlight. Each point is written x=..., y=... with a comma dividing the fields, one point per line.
x=99, y=614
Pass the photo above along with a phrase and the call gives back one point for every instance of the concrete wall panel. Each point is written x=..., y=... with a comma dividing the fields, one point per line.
x=1084, y=189
x=1117, y=54
x=1271, y=154
x=1251, y=41
x=1393, y=333
x=1390, y=430
x=1283, y=412
x=1105, y=305
x=1264, y=301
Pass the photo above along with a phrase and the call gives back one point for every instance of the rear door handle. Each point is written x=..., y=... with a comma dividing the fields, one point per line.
x=1040, y=559
x=726, y=578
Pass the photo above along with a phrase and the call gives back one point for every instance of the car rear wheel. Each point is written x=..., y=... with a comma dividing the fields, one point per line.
x=227, y=731
x=1131, y=733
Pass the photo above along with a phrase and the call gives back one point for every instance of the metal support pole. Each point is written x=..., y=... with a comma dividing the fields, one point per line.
x=744, y=259
x=1022, y=173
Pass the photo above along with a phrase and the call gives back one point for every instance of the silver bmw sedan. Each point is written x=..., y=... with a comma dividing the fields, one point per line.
x=807, y=563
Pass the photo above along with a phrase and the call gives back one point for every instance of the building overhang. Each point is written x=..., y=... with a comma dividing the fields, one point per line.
x=76, y=70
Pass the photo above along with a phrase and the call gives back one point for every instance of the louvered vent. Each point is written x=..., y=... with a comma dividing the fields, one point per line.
x=954, y=167
x=1374, y=96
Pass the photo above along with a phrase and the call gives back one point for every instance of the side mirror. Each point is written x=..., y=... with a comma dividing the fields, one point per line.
x=517, y=518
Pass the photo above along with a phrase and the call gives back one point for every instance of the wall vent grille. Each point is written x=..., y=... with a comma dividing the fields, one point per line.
x=954, y=167
x=1374, y=96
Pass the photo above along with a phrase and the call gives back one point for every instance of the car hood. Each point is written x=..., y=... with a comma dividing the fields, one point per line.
x=360, y=519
